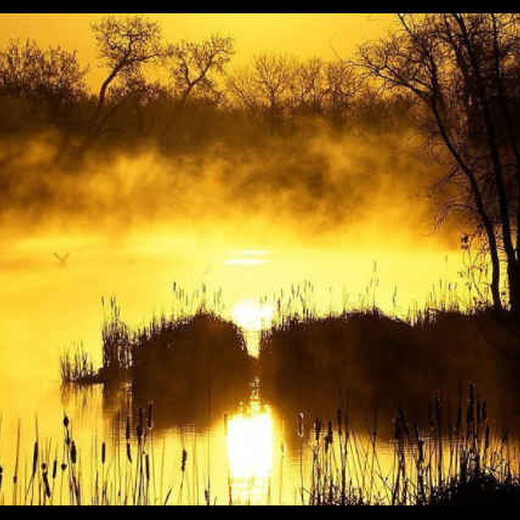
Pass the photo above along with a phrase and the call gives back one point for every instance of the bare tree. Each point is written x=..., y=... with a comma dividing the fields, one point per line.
x=343, y=82
x=463, y=69
x=242, y=86
x=273, y=76
x=196, y=65
x=268, y=86
x=308, y=86
x=124, y=45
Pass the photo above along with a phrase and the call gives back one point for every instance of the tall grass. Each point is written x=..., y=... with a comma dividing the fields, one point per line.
x=299, y=302
x=456, y=460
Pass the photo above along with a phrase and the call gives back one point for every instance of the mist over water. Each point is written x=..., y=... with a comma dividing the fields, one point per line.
x=338, y=211
x=346, y=214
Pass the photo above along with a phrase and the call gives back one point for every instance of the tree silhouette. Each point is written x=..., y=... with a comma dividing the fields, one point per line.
x=266, y=86
x=195, y=65
x=124, y=46
x=343, y=83
x=463, y=69
x=308, y=87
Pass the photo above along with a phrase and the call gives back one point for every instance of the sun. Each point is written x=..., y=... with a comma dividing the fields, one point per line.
x=252, y=315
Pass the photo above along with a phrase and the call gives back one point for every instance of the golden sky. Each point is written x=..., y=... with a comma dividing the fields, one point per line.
x=324, y=35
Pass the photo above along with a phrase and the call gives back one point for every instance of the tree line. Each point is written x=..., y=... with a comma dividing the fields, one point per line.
x=455, y=78
x=48, y=86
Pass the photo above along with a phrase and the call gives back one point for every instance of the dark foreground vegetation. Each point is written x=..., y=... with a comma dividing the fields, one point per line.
x=461, y=460
x=454, y=461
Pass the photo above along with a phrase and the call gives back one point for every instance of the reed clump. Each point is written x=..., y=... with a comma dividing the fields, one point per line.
x=371, y=361
x=191, y=365
x=76, y=368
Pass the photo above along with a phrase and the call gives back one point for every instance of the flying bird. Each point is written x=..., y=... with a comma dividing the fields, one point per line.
x=62, y=259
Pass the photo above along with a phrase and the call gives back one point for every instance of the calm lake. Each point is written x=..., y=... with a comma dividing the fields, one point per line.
x=50, y=303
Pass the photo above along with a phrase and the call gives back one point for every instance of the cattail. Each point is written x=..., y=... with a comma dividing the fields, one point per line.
x=480, y=410
x=35, y=458
x=184, y=459
x=103, y=452
x=54, y=469
x=329, y=436
x=317, y=429
x=420, y=446
x=65, y=421
x=73, y=452
x=63, y=466
x=416, y=432
x=127, y=429
x=46, y=481
x=128, y=452
x=472, y=392
x=147, y=466
x=396, y=428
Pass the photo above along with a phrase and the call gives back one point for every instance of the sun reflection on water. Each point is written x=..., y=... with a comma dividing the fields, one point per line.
x=250, y=440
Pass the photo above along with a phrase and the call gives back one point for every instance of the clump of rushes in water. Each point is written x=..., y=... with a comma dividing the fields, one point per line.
x=76, y=368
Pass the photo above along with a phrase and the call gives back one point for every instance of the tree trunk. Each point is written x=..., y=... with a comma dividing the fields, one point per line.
x=495, y=272
x=513, y=278
x=481, y=209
